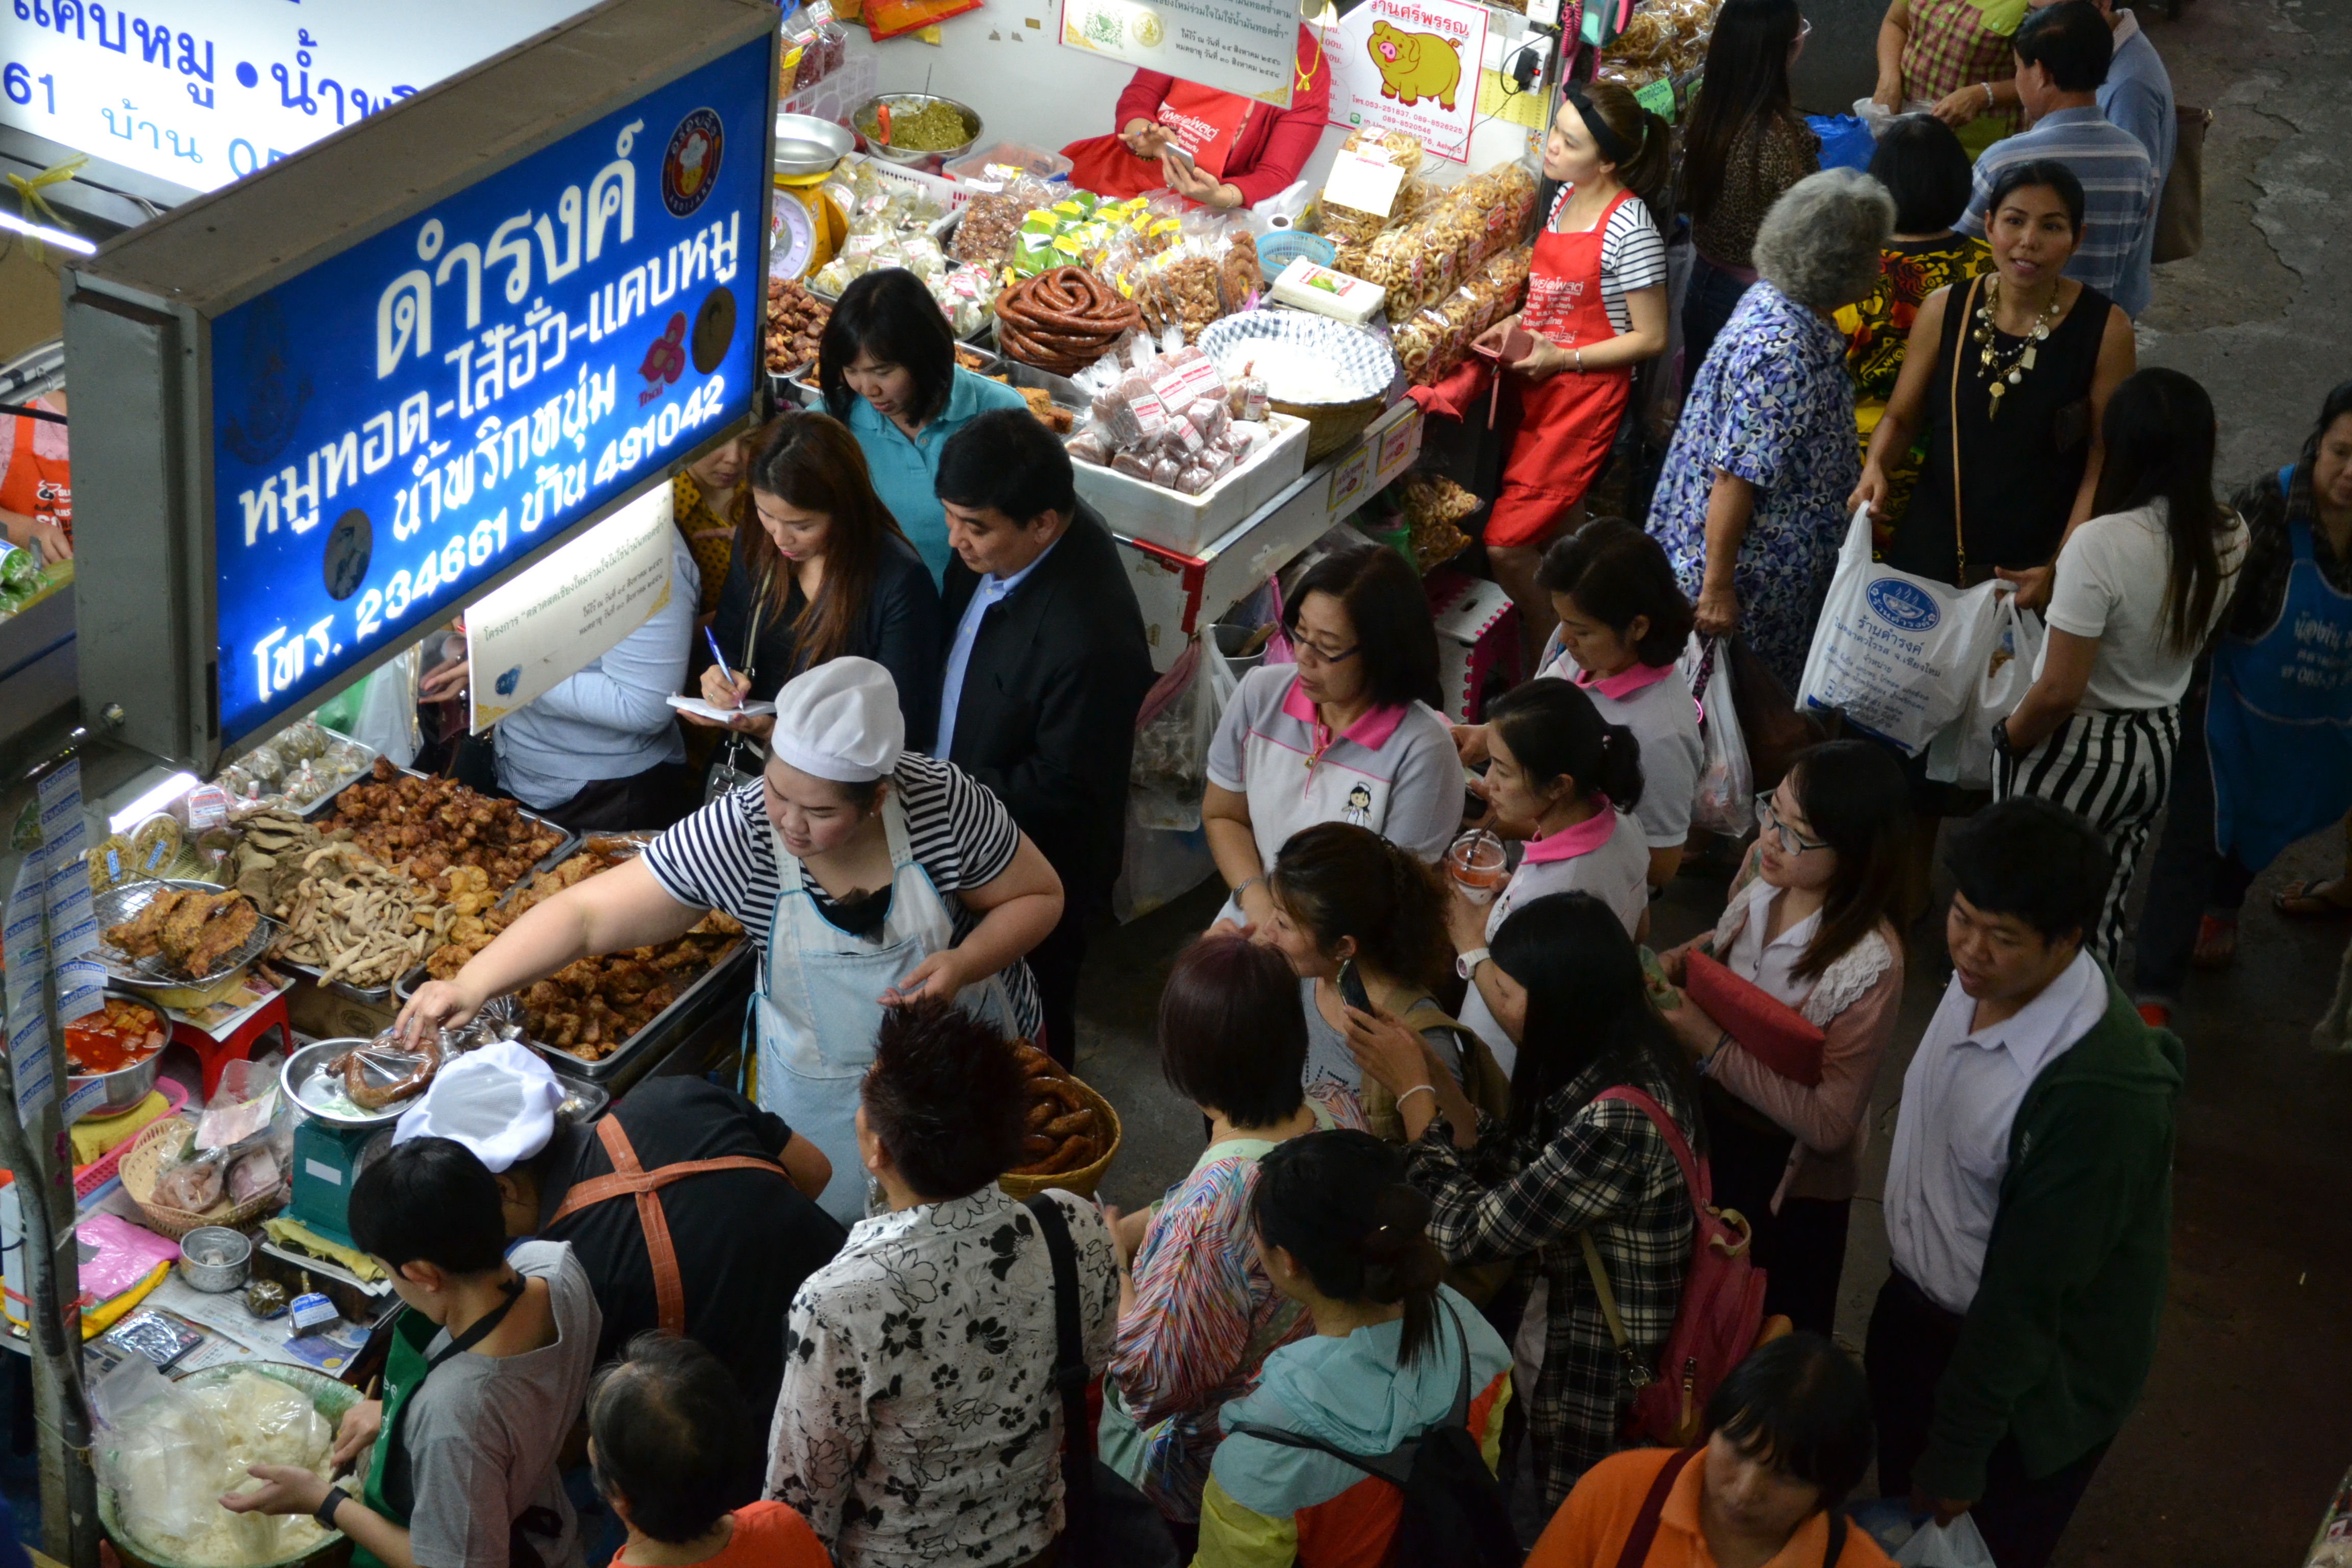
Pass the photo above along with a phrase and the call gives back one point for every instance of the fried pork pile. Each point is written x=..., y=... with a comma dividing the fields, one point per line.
x=589, y=1007
x=426, y=827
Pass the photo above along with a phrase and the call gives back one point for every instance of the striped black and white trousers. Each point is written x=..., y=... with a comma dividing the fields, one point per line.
x=2114, y=770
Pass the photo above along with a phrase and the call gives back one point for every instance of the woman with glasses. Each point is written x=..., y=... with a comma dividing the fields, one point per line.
x=1807, y=929
x=1349, y=733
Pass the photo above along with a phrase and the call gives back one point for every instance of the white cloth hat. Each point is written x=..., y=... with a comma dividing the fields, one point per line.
x=841, y=721
x=499, y=1101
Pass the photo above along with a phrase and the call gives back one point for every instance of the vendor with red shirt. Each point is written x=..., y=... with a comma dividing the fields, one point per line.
x=1220, y=149
x=36, y=484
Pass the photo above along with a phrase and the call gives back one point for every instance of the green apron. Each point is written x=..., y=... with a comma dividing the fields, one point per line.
x=406, y=1368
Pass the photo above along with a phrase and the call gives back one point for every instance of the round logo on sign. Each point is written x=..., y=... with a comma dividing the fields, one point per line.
x=1906, y=607
x=691, y=164
x=350, y=544
x=1148, y=30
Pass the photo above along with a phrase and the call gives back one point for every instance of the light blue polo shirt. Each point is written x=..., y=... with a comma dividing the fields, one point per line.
x=903, y=468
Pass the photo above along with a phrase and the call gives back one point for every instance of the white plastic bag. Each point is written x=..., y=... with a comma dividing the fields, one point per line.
x=1896, y=653
x=1726, y=799
x=387, y=718
x=1958, y=1544
x=1961, y=752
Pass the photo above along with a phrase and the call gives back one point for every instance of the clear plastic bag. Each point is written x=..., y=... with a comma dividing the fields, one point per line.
x=383, y=1072
x=1726, y=799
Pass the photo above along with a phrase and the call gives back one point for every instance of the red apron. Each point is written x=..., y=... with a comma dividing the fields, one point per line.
x=1567, y=421
x=1204, y=122
x=36, y=476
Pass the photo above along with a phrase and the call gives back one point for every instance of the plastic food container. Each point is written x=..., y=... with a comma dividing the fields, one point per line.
x=1013, y=156
x=214, y=1258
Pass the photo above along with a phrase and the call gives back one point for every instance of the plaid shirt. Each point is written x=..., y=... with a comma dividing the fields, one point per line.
x=1603, y=1169
x=1947, y=48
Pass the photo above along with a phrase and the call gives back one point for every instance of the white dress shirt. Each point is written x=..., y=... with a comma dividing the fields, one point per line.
x=991, y=592
x=1952, y=1134
x=1772, y=967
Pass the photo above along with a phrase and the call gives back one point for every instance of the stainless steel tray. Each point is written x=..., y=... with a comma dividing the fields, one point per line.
x=305, y=1067
x=672, y=1024
x=406, y=985
x=125, y=900
x=378, y=995
x=663, y=1032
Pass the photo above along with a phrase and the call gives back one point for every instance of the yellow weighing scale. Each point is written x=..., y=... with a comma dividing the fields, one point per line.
x=804, y=229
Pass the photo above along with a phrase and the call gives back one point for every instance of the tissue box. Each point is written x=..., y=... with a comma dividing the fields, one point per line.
x=1307, y=287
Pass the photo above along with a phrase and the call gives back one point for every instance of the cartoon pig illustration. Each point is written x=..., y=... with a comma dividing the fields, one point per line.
x=1414, y=65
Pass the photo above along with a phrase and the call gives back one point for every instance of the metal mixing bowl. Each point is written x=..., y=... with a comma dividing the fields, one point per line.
x=807, y=146
x=214, y=1257
x=126, y=1086
x=911, y=103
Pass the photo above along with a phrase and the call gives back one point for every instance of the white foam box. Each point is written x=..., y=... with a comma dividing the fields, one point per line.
x=1307, y=287
x=1140, y=509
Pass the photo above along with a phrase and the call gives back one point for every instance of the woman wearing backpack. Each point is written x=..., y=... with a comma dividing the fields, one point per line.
x=1568, y=990
x=1807, y=928
x=1345, y=897
x=1789, y=1435
x=1394, y=1355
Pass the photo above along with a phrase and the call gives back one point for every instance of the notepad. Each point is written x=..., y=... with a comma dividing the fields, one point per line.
x=697, y=706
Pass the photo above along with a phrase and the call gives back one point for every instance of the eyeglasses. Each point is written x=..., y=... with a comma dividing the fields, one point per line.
x=1790, y=841
x=1324, y=655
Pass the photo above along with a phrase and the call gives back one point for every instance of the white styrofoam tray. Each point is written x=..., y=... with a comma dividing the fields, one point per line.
x=1185, y=525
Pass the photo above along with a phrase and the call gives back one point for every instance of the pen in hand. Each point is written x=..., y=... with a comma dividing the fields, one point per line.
x=723, y=671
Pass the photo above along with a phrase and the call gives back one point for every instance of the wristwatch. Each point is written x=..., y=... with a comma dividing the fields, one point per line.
x=1989, y=97
x=325, y=1512
x=1467, y=964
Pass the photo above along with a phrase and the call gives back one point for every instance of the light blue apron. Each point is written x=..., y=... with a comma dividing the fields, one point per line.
x=2279, y=722
x=818, y=1007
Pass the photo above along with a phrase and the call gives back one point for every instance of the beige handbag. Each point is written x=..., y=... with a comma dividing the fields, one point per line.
x=2181, y=212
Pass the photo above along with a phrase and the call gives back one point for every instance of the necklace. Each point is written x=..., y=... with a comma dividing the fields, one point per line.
x=2006, y=373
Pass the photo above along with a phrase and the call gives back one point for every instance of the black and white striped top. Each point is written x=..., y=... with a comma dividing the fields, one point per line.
x=724, y=856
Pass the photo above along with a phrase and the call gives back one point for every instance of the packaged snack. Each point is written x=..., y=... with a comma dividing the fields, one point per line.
x=1085, y=447
x=1134, y=467
x=1192, y=479
x=1165, y=473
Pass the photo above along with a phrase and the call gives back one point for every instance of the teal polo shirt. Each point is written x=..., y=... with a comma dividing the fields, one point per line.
x=903, y=468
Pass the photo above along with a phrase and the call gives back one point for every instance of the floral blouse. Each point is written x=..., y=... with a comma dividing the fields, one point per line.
x=1773, y=406
x=919, y=1420
x=1205, y=1316
x=692, y=513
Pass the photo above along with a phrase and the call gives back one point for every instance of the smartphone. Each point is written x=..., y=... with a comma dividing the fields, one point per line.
x=1351, y=988
x=1176, y=155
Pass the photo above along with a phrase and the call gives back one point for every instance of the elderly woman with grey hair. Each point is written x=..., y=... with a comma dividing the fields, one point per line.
x=1751, y=504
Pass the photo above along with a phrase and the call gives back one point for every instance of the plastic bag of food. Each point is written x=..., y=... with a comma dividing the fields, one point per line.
x=1211, y=416
x=1085, y=447
x=1186, y=376
x=192, y=1179
x=1133, y=466
x=1192, y=479
x=384, y=1072
x=161, y=1453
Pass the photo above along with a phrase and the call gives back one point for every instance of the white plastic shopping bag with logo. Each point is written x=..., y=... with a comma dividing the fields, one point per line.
x=1898, y=655
x=1958, y=1544
x=1961, y=752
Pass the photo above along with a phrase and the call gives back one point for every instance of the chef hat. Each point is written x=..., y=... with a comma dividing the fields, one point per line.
x=499, y=1101
x=841, y=721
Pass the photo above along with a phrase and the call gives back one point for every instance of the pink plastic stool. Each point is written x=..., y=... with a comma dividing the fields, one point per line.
x=215, y=1054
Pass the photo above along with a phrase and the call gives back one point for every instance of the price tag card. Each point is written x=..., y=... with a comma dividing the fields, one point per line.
x=1365, y=185
x=1658, y=98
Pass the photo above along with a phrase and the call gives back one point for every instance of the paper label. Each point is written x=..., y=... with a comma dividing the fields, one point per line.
x=323, y=1172
x=1658, y=98
x=311, y=1310
x=1195, y=379
x=1365, y=185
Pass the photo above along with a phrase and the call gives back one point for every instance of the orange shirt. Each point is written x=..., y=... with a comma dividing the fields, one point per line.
x=766, y=1535
x=1590, y=1528
x=36, y=474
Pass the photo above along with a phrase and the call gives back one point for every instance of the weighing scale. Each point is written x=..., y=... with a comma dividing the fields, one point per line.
x=327, y=1159
x=332, y=1147
x=804, y=229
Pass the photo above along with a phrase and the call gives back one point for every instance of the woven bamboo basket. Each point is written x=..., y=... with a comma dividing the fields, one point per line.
x=1081, y=1181
x=144, y=1163
x=1332, y=425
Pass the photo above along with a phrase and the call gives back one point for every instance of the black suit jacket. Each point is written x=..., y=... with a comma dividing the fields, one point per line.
x=1046, y=719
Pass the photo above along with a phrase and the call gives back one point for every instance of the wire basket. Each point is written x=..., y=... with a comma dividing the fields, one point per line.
x=1083, y=1180
x=144, y=1163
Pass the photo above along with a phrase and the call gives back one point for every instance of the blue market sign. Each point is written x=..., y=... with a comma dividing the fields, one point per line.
x=421, y=412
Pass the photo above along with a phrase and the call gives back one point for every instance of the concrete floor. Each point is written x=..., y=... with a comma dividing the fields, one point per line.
x=2247, y=1423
